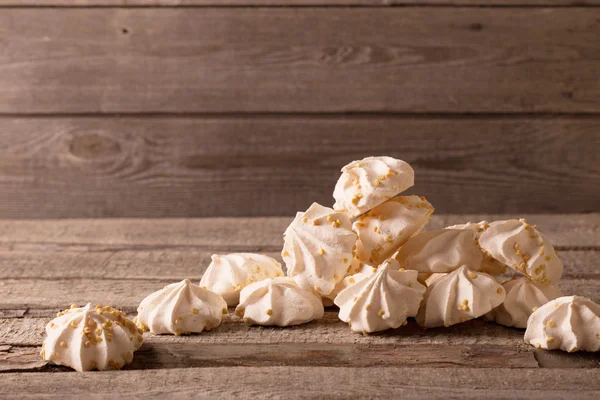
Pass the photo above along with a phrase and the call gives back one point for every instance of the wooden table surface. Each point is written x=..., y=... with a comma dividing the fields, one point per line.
x=45, y=265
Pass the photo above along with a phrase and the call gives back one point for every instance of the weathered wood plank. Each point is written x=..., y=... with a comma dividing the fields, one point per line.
x=404, y=59
x=314, y=382
x=127, y=293
x=189, y=355
x=566, y=232
x=258, y=166
x=291, y=3
x=328, y=330
x=179, y=264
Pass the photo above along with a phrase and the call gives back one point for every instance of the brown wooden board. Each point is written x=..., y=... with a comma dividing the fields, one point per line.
x=399, y=59
x=257, y=166
x=293, y=3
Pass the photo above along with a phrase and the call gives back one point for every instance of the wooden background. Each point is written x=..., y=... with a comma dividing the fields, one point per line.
x=196, y=108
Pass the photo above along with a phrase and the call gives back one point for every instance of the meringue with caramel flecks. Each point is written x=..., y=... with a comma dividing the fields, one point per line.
x=459, y=296
x=489, y=264
x=523, y=296
x=89, y=338
x=228, y=274
x=279, y=302
x=382, y=300
x=570, y=323
x=181, y=308
x=388, y=226
x=369, y=182
x=318, y=247
x=522, y=247
x=441, y=250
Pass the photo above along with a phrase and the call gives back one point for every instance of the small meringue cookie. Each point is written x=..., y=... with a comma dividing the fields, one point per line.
x=350, y=279
x=318, y=248
x=522, y=297
x=388, y=226
x=570, y=323
x=89, y=338
x=228, y=274
x=181, y=308
x=459, y=296
x=382, y=300
x=522, y=247
x=489, y=264
x=369, y=182
x=279, y=302
x=441, y=250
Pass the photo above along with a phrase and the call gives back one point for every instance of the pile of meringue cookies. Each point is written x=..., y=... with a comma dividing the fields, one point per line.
x=368, y=257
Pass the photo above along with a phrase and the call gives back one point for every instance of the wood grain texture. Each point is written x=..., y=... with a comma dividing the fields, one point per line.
x=566, y=232
x=292, y=3
x=313, y=382
x=258, y=166
x=413, y=59
x=176, y=265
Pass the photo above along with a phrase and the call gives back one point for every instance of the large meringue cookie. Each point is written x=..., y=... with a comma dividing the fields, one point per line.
x=523, y=296
x=458, y=297
x=570, y=323
x=382, y=300
x=369, y=182
x=318, y=248
x=389, y=225
x=279, y=302
x=441, y=250
x=181, y=308
x=91, y=338
x=522, y=247
x=228, y=274
x=489, y=264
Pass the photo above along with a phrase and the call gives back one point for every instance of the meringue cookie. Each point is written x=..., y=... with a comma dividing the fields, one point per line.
x=389, y=225
x=369, y=182
x=91, y=338
x=382, y=300
x=318, y=248
x=280, y=302
x=522, y=247
x=522, y=297
x=441, y=250
x=181, y=308
x=350, y=279
x=570, y=323
x=489, y=264
x=458, y=297
x=228, y=274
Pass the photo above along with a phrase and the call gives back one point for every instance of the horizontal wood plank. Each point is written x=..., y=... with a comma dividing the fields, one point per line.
x=291, y=3
x=259, y=166
x=403, y=59
x=128, y=293
x=566, y=232
x=314, y=382
x=187, y=355
x=179, y=264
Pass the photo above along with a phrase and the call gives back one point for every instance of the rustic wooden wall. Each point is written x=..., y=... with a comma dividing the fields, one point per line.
x=161, y=108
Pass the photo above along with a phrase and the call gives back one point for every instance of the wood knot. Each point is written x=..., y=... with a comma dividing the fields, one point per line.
x=94, y=146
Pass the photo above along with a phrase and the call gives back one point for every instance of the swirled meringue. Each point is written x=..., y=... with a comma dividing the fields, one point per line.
x=523, y=296
x=441, y=250
x=362, y=271
x=181, y=308
x=369, y=182
x=89, y=338
x=278, y=301
x=570, y=323
x=228, y=274
x=489, y=264
x=388, y=226
x=382, y=300
x=318, y=248
x=459, y=296
x=522, y=247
